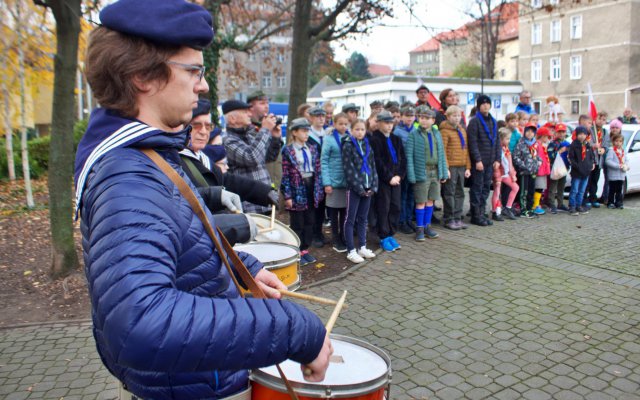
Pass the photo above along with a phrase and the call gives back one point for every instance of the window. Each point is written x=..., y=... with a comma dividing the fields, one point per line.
x=252, y=84
x=265, y=52
x=556, y=30
x=282, y=80
x=266, y=80
x=280, y=57
x=252, y=56
x=536, y=3
x=576, y=27
x=576, y=67
x=536, y=34
x=420, y=59
x=554, y=69
x=536, y=71
x=553, y=2
x=403, y=99
x=575, y=106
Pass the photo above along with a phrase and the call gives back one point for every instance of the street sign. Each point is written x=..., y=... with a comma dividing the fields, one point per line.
x=471, y=98
x=497, y=103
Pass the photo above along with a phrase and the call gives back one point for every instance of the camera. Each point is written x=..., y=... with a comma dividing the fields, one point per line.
x=278, y=120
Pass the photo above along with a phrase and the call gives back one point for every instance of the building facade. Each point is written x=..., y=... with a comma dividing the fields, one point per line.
x=266, y=68
x=565, y=45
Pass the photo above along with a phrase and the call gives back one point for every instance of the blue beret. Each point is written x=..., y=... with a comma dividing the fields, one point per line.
x=174, y=22
x=215, y=152
x=204, y=107
x=215, y=132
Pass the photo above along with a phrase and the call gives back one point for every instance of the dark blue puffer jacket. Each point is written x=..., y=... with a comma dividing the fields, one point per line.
x=168, y=321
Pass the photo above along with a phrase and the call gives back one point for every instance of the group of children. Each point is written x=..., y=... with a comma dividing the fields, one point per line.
x=389, y=171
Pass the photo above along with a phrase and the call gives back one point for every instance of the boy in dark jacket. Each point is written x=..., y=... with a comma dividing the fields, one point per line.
x=485, y=153
x=582, y=162
x=391, y=166
x=527, y=161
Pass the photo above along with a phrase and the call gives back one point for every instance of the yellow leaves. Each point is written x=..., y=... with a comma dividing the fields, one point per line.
x=27, y=273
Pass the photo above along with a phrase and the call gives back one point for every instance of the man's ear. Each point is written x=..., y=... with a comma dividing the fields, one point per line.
x=144, y=86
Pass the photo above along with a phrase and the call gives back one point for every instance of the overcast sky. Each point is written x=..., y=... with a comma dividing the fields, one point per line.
x=391, y=42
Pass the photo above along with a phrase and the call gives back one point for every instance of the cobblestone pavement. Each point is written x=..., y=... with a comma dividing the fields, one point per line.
x=533, y=309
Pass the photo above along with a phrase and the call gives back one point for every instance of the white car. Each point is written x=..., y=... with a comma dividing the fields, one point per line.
x=631, y=134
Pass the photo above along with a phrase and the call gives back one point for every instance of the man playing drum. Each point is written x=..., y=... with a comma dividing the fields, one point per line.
x=168, y=322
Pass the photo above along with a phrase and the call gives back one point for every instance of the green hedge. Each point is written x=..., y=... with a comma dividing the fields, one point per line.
x=38, y=152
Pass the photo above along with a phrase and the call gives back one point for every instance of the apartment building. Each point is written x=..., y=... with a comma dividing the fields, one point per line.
x=266, y=68
x=565, y=45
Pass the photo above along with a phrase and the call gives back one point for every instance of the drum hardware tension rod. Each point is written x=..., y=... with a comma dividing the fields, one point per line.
x=309, y=297
x=273, y=217
x=332, y=321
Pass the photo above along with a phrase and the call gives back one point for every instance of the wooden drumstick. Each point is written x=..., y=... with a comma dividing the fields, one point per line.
x=309, y=297
x=332, y=321
x=273, y=217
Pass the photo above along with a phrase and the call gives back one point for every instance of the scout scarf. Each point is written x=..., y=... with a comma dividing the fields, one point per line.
x=365, y=157
x=490, y=135
x=620, y=154
x=306, y=166
x=461, y=136
x=336, y=137
x=584, y=150
x=394, y=156
x=429, y=136
x=532, y=146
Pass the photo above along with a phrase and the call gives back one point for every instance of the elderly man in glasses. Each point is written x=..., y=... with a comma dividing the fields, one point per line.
x=525, y=103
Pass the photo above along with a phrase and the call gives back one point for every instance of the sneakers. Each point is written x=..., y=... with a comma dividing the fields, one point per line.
x=587, y=205
x=306, y=258
x=430, y=233
x=508, y=213
x=453, y=225
x=497, y=217
x=611, y=206
x=406, y=229
x=354, y=257
x=595, y=204
x=326, y=223
x=583, y=210
x=386, y=245
x=461, y=224
x=539, y=211
x=340, y=247
x=317, y=242
x=554, y=210
x=480, y=221
x=420, y=234
x=366, y=253
x=563, y=208
x=527, y=214
x=395, y=244
x=573, y=211
x=620, y=207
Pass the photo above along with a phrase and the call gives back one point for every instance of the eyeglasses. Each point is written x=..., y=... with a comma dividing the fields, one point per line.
x=198, y=125
x=193, y=68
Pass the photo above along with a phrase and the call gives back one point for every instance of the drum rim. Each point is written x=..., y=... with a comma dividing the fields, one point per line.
x=279, y=223
x=273, y=264
x=344, y=391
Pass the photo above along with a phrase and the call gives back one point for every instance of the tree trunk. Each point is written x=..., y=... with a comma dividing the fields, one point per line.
x=26, y=174
x=8, y=132
x=300, y=56
x=211, y=57
x=61, y=154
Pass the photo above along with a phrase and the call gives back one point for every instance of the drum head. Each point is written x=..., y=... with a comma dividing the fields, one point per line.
x=280, y=234
x=269, y=253
x=365, y=368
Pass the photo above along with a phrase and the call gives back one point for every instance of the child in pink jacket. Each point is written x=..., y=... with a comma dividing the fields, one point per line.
x=544, y=135
x=505, y=175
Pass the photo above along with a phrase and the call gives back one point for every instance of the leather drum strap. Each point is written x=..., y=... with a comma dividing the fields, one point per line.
x=227, y=253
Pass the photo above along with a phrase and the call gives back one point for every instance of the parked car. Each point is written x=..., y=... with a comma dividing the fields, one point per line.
x=631, y=134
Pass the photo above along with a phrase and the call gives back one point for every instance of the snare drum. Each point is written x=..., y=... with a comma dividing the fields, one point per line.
x=363, y=373
x=280, y=234
x=279, y=258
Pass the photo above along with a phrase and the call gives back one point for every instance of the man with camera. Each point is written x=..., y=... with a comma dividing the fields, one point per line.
x=249, y=149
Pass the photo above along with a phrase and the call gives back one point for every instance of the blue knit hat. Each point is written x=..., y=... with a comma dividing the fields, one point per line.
x=174, y=22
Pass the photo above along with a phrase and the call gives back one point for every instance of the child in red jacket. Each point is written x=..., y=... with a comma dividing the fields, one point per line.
x=544, y=135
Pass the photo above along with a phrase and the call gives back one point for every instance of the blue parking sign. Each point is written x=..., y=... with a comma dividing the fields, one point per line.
x=471, y=98
x=497, y=103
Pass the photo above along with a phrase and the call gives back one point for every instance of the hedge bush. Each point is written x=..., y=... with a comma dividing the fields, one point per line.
x=38, y=153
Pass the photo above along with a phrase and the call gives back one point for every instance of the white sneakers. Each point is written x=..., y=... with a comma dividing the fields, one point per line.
x=359, y=256
x=366, y=253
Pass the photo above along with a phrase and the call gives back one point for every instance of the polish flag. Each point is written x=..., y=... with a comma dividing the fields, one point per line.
x=593, y=112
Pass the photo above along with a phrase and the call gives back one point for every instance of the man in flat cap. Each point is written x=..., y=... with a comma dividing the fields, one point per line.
x=352, y=111
x=168, y=322
x=423, y=96
x=376, y=106
x=249, y=150
x=485, y=153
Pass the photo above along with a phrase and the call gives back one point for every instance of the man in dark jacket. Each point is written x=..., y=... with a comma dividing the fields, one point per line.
x=582, y=162
x=168, y=322
x=485, y=153
x=391, y=166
